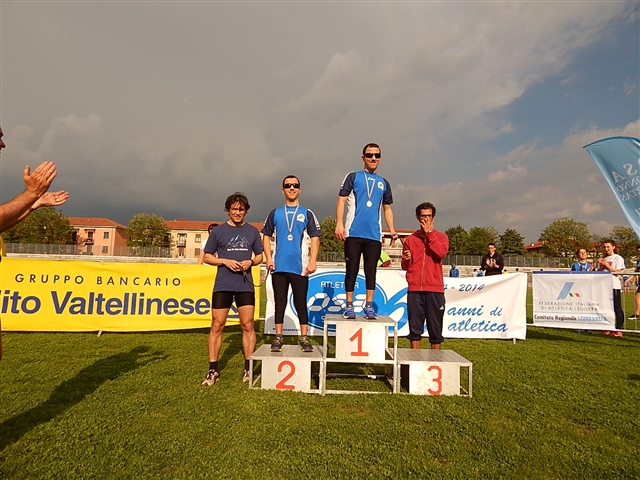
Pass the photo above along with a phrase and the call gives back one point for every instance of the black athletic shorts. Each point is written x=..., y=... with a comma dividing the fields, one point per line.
x=225, y=299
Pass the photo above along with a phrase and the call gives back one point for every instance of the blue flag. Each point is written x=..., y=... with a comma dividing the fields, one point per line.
x=618, y=158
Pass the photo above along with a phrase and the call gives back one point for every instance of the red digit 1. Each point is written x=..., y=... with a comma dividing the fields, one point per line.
x=359, y=352
x=281, y=385
x=437, y=380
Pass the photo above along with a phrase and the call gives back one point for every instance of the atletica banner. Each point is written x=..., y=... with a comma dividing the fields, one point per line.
x=578, y=300
x=476, y=307
x=618, y=158
x=81, y=296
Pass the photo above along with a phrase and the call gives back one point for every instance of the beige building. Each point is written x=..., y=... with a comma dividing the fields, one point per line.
x=99, y=236
x=188, y=236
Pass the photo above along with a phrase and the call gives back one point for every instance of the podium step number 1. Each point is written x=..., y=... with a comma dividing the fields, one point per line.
x=361, y=342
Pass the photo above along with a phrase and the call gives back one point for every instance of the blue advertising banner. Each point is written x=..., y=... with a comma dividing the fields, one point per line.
x=618, y=158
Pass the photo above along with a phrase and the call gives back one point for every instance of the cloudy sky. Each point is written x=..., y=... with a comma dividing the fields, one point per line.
x=167, y=107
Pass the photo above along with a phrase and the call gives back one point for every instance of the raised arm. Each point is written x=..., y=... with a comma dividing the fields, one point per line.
x=36, y=185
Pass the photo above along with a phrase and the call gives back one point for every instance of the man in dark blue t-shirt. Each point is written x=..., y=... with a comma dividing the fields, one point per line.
x=233, y=247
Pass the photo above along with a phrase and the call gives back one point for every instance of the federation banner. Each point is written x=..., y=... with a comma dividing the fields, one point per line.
x=476, y=307
x=578, y=300
x=618, y=158
x=79, y=296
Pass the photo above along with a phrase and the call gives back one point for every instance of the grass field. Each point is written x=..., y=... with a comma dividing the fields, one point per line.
x=561, y=404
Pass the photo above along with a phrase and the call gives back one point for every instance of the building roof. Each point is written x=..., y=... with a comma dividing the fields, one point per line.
x=184, y=224
x=534, y=246
x=93, y=222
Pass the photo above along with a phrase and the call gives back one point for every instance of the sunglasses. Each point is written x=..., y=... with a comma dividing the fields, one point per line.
x=372, y=155
x=291, y=185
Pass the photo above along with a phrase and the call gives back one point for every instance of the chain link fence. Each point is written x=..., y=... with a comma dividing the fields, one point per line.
x=119, y=251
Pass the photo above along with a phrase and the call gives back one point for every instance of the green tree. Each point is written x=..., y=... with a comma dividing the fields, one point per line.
x=563, y=236
x=44, y=225
x=328, y=241
x=511, y=243
x=626, y=241
x=480, y=237
x=458, y=240
x=148, y=230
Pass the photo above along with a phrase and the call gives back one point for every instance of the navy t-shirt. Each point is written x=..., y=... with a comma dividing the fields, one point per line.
x=235, y=243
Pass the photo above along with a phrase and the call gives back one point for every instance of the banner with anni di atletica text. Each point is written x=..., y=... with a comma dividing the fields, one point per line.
x=476, y=307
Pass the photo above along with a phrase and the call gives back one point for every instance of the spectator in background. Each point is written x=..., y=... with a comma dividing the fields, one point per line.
x=35, y=195
x=636, y=296
x=454, y=272
x=385, y=260
x=492, y=263
x=615, y=264
x=581, y=265
x=204, y=242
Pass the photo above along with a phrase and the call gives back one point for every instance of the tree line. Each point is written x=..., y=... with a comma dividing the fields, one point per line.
x=561, y=238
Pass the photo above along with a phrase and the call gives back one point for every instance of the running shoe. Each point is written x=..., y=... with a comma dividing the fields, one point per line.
x=616, y=334
x=212, y=377
x=634, y=317
x=245, y=375
x=305, y=345
x=276, y=345
x=349, y=313
x=370, y=313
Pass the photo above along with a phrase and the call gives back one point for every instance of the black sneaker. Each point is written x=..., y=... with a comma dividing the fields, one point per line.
x=305, y=345
x=245, y=375
x=212, y=377
x=277, y=344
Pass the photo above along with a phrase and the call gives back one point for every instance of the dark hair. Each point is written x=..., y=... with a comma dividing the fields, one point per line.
x=370, y=145
x=289, y=176
x=491, y=243
x=212, y=226
x=578, y=251
x=612, y=242
x=424, y=205
x=237, y=197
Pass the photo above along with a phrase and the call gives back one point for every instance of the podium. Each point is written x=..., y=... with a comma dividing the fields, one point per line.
x=361, y=341
x=289, y=369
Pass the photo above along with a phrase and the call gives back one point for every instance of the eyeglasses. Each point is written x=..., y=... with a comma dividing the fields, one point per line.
x=372, y=155
x=291, y=185
x=428, y=215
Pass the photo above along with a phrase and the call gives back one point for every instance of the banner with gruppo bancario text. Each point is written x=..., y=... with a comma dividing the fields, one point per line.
x=79, y=296
x=476, y=307
x=576, y=300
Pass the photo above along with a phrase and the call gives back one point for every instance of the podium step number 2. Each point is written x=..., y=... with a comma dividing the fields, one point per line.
x=287, y=370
